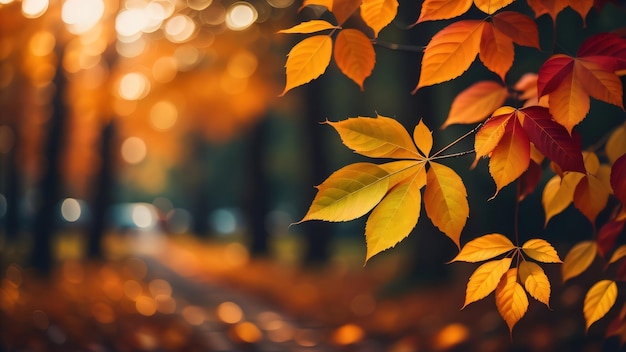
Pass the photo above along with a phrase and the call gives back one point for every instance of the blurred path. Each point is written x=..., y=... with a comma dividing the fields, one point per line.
x=235, y=321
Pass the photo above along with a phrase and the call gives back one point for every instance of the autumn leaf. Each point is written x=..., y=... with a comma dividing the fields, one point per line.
x=578, y=259
x=511, y=156
x=529, y=180
x=599, y=300
x=343, y=9
x=307, y=60
x=485, y=279
x=402, y=169
x=618, y=179
x=484, y=247
x=608, y=234
x=511, y=299
x=535, y=281
x=551, y=139
x=554, y=7
x=490, y=134
x=423, y=138
x=616, y=144
x=354, y=55
x=591, y=197
x=326, y=3
x=518, y=27
x=491, y=6
x=496, y=51
x=450, y=52
x=377, y=14
x=349, y=193
x=620, y=252
x=558, y=193
x=396, y=215
x=476, y=103
x=541, y=250
x=445, y=200
x=443, y=9
x=309, y=27
x=380, y=137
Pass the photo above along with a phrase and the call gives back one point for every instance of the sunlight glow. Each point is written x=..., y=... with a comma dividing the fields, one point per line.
x=179, y=28
x=242, y=64
x=34, y=8
x=240, y=16
x=187, y=56
x=81, y=15
x=194, y=315
x=229, y=312
x=164, y=69
x=134, y=150
x=134, y=86
x=280, y=4
x=42, y=43
x=199, y=5
x=70, y=210
x=163, y=115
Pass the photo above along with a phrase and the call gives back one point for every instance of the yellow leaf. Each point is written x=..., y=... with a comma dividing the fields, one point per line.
x=307, y=60
x=511, y=156
x=401, y=170
x=535, y=281
x=443, y=9
x=592, y=163
x=349, y=193
x=591, y=196
x=445, y=200
x=309, y=27
x=450, y=52
x=326, y=3
x=578, y=259
x=378, y=13
x=423, y=138
x=491, y=6
x=484, y=247
x=488, y=137
x=395, y=217
x=616, y=144
x=511, y=299
x=559, y=193
x=380, y=137
x=619, y=253
x=355, y=55
x=599, y=300
x=485, y=279
x=540, y=250
x=476, y=102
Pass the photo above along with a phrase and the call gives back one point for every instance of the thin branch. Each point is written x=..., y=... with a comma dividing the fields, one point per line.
x=456, y=141
x=437, y=157
x=400, y=47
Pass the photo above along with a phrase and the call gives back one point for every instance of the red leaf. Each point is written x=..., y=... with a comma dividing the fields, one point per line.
x=496, y=51
x=618, y=178
x=552, y=73
x=552, y=139
x=607, y=235
x=621, y=272
x=529, y=180
x=605, y=44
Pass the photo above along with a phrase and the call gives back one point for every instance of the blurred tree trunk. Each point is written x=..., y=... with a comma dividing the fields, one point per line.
x=50, y=183
x=197, y=176
x=103, y=188
x=13, y=186
x=318, y=234
x=258, y=202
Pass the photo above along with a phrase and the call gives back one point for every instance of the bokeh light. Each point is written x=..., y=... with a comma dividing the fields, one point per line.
x=143, y=216
x=134, y=150
x=34, y=8
x=240, y=16
x=229, y=312
x=194, y=315
x=71, y=210
x=164, y=69
x=42, y=43
x=242, y=64
x=81, y=15
x=348, y=334
x=134, y=86
x=163, y=115
x=179, y=28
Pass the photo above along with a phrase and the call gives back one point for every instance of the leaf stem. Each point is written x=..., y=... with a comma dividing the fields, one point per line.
x=401, y=47
x=451, y=155
x=516, y=215
x=456, y=141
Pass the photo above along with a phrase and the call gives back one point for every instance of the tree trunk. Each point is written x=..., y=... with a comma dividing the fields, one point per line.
x=258, y=202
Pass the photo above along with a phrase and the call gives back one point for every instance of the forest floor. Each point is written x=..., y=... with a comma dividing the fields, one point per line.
x=187, y=294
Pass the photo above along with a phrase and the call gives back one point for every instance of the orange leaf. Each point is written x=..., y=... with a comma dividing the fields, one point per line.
x=619, y=253
x=551, y=7
x=401, y=170
x=578, y=259
x=559, y=193
x=491, y=6
x=476, y=102
x=541, y=250
x=485, y=279
x=450, y=52
x=378, y=13
x=423, y=138
x=307, y=60
x=326, y=3
x=380, y=137
x=581, y=6
x=445, y=200
x=599, y=300
x=535, y=281
x=616, y=144
x=354, y=55
x=396, y=215
x=488, y=137
x=496, y=51
x=484, y=247
x=520, y=28
x=309, y=27
x=511, y=299
x=511, y=156
x=600, y=83
x=343, y=9
x=569, y=102
x=590, y=197
x=443, y=9
x=349, y=193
